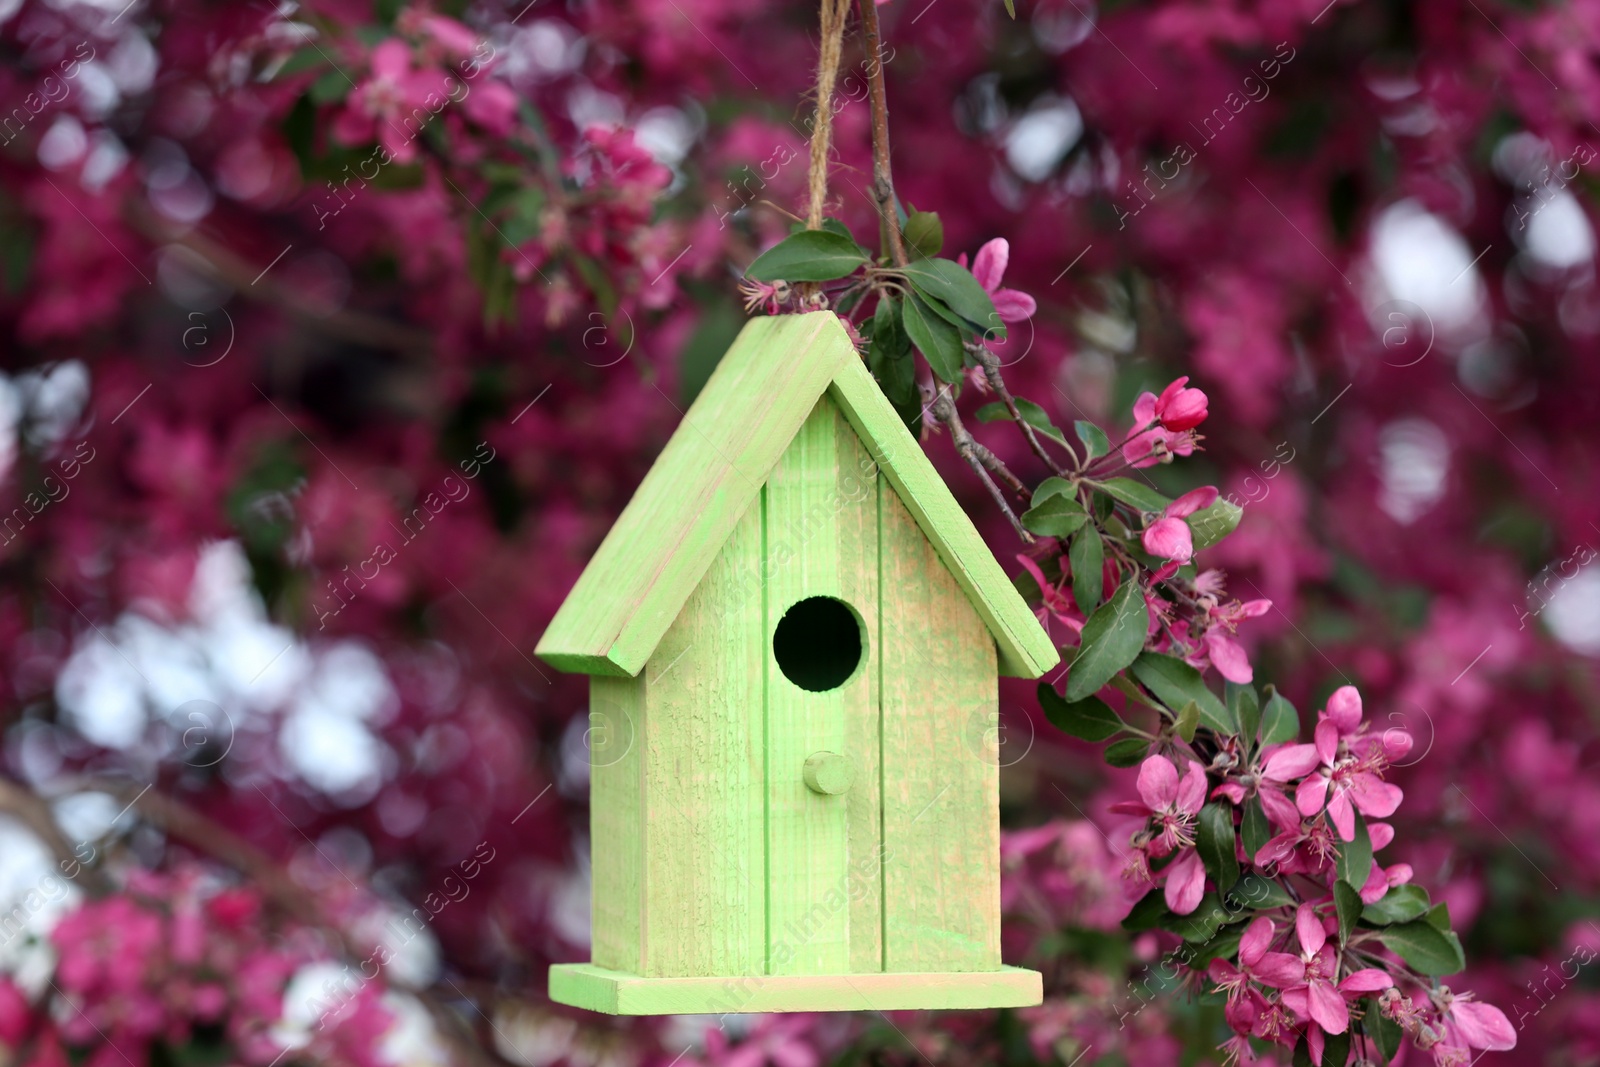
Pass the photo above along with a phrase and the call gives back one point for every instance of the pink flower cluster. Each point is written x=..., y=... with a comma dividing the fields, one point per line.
x=1295, y=972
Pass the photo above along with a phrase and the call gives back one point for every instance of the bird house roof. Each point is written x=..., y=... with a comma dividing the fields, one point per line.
x=714, y=466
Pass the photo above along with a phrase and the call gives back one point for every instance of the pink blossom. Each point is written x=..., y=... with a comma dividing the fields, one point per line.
x=988, y=267
x=1256, y=963
x=1317, y=996
x=1467, y=1025
x=1169, y=537
x=1057, y=602
x=14, y=1015
x=385, y=101
x=1172, y=804
x=1347, y=782
x=1152, y=443
x=1179, y=408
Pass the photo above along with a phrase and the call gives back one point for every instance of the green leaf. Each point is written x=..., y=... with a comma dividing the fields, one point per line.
x=1129, y=752
x=1254, y=828
x=1176, y=683
x=1011, y=8
x=1401, y=904
x=1112, y=639
x=1212, y=524
x=1148, y=914
x=1302, y=1054
x=1384, y=1032
x=1355, y=857
x=1222, y=947
x=1203, y=923
x=304, y=59
x=1254, y=892
x=1090, y=718
x=1134, y=494
x=1032, y=414
x=1215, y=841
x=1087, y=557
x=924, y=234
x=952, y=284
x=889, y=359
x=935, y=338
x=1058, y=516
x=1423, y=946
x=1279, y=721
x=329, y=88
x=1052, y=487
x=1093, y=437
x=1439, y=916
x=808, y=256
x=1347, y=905
x=1186, y=722
x=1246, y=711
x=1336, y=1049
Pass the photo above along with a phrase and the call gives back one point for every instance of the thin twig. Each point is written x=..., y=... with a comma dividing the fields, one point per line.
x=882, y=176
x=991, y=372
x=979, y=458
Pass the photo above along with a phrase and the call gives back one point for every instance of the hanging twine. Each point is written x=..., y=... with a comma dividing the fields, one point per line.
x=833, y=19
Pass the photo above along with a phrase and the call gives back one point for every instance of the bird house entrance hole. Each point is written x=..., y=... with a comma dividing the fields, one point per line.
x=818, y=643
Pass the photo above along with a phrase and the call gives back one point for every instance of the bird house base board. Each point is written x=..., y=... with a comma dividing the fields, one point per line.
x=583, y=985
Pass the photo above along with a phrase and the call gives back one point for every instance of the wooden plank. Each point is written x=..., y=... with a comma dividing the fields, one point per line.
x=705, y=906
x=597, y=989
x=616, y=821
x=1026, y=651
x=941, y=797
x=822, y=851
x=703, y=481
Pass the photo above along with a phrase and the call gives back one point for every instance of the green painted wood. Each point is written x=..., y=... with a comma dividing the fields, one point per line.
x=822, y=851
x=829, y=773
x=941, y=784
x=616, y=820
x=595, y=988
x=689, y=502
x=714, y=465
x=1026, y=651
x=702, y=762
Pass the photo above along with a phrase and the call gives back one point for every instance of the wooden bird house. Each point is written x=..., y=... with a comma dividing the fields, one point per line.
x=793, y=634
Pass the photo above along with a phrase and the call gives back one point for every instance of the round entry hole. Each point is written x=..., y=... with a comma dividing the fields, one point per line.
x=818, y=643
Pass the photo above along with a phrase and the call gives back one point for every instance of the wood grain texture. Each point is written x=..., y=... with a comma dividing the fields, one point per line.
x=616, y=821
x=822, y=851
x=705, y=890
x=1026, y=651
x=941, y=782
x=598, y=989
x=703, y=481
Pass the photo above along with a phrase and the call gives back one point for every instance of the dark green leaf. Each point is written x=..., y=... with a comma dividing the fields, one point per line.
x=947, y=281
x=1355, y=857
x=308, y=58
x=1254, y=828
x=1093, y=437
x=1385, y=1033
x=1212, y=524
x=1215, y=841
x=1222, y=947
x=1176, y=683
x=1254, y=892
x=1438, y=916
x=1087, y=557
x=1056, y=517
x=1111, y=640
x=1031, y=413
x=1090, y=718
x=1336, y=1049
x=833, y=225
x=924, y=234
x=1427, y=949
x=1347, y=905
x=1052, y=487
x=1246, y=711
x=329, y=87
x=889, y=359
x=1129, y=752
x=808, y=256
x=1148, y=914
x=1302, y=1054
x=935, y=338
x=1187, y=721
x=1279, y=721
x=1204, y=922
x=1134, y=494
x=1401, y=904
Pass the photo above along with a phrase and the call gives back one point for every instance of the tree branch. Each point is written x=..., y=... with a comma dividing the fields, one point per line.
x=882, y=176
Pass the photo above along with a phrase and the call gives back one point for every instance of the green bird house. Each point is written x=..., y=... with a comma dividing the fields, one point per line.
x=793, y=636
